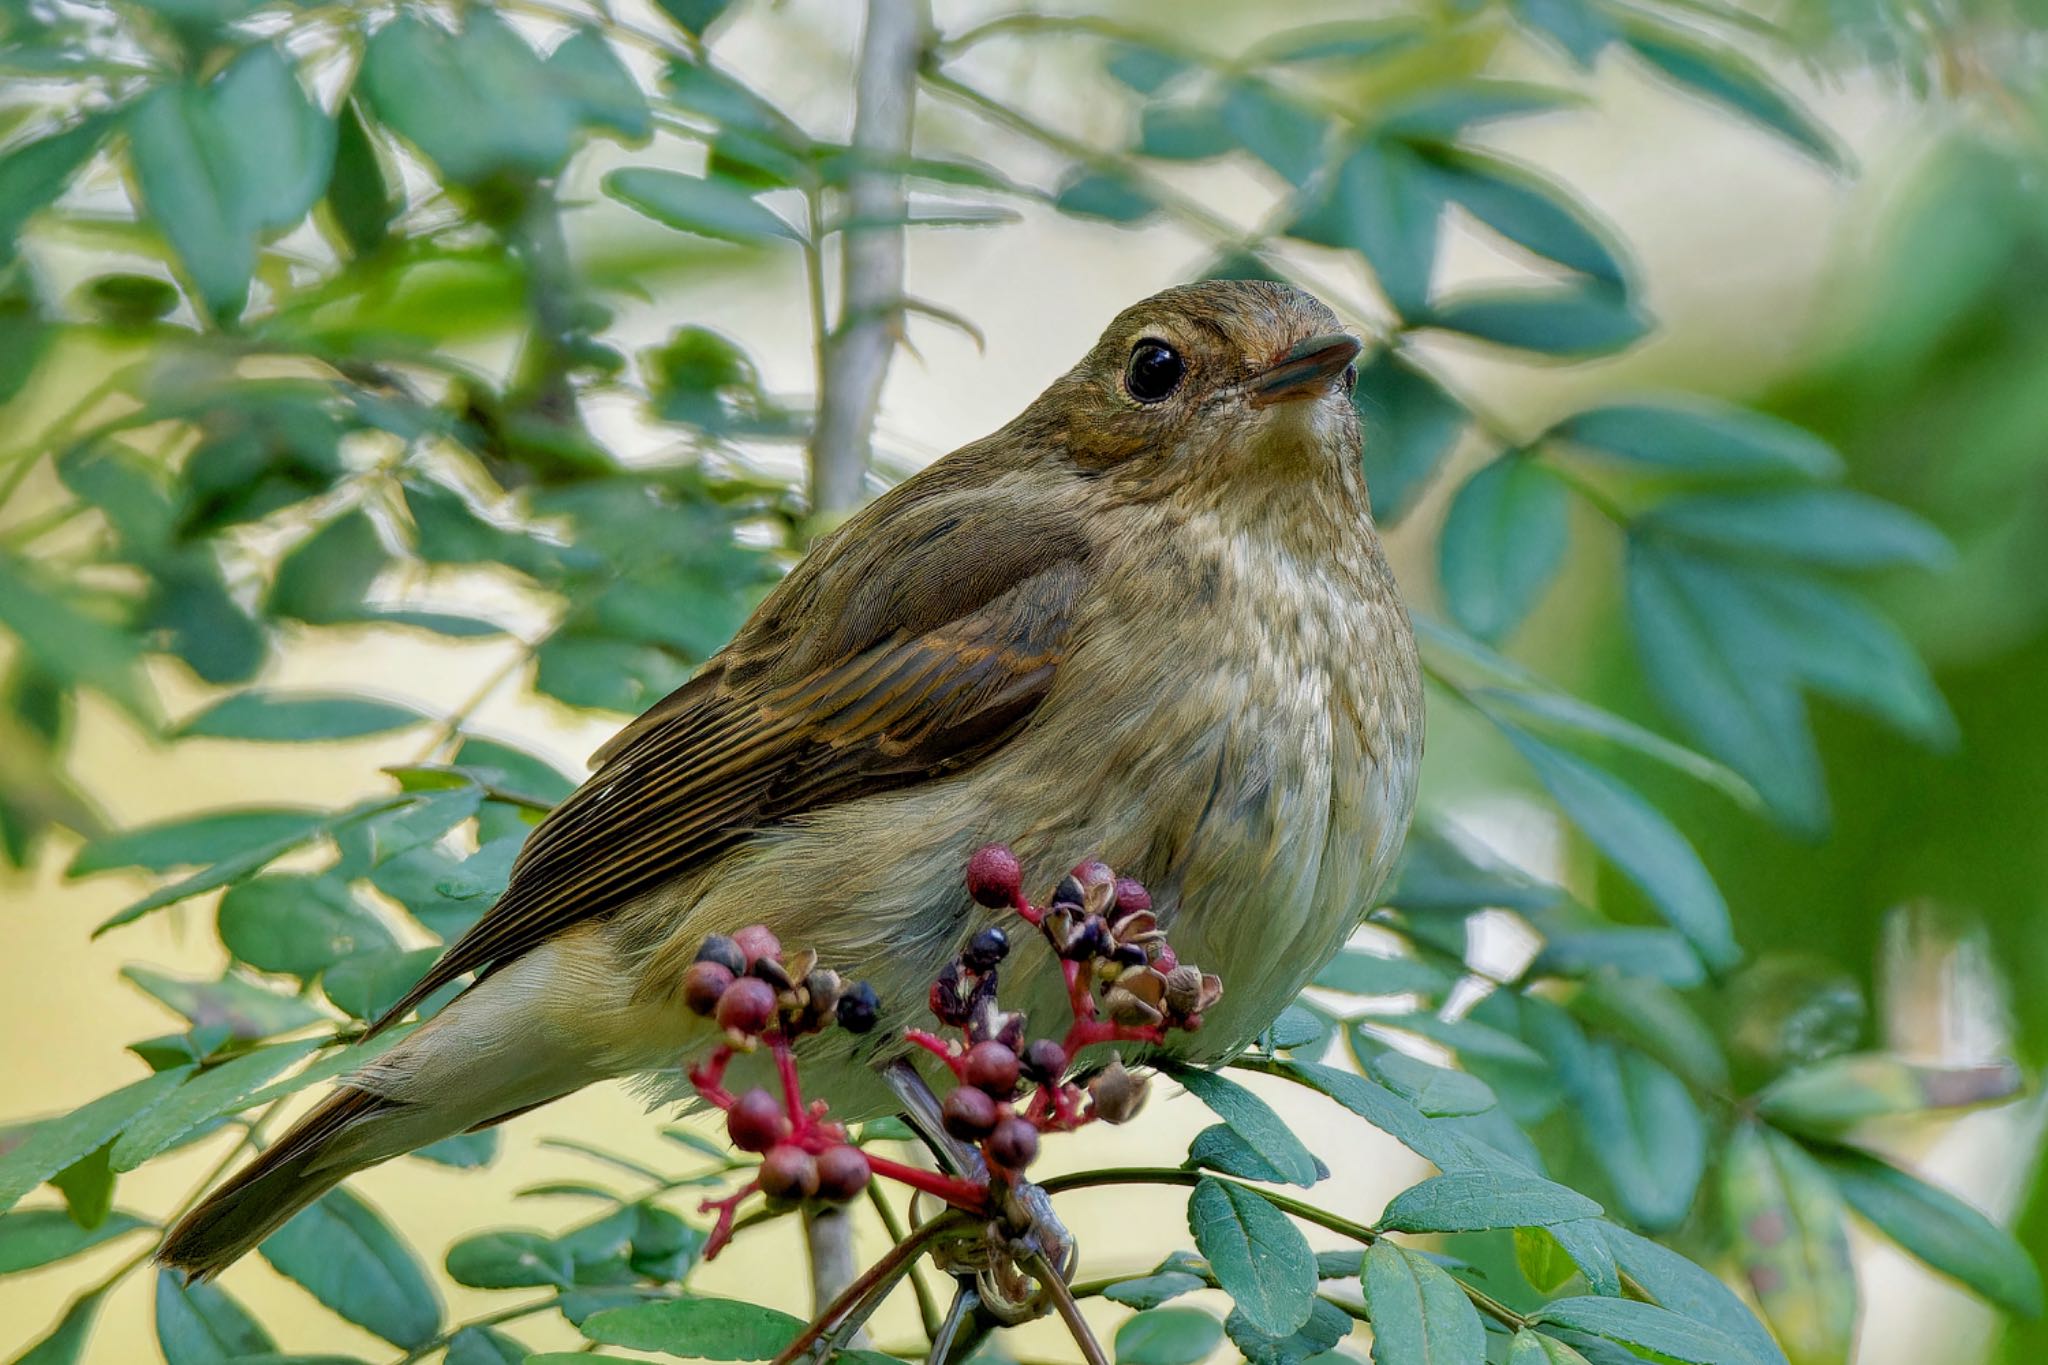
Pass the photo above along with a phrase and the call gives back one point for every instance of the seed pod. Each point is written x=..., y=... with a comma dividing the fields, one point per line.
x=1126, y=1008
x=789, y=1172
x=1184, y=990
x=726, y=953
x=703, y=984
x=1130, y=955
x=1069, y=893
x=770, y=970
x=994, y=878
x=1131, y=897
x=1090, y=939
x=1117, y=1095
x=823, y=989
x=947, y=1001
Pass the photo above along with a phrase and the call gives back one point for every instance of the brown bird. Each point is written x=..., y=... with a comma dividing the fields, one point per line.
x=1147, y=621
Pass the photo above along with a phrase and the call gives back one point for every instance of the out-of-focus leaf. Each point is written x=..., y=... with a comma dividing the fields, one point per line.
x=327, y=578
x=193, y=840
x=478, y=104
x=1656, y=1019
x=1420, y=1316
x=694, y=16
x=1356, y=42
x=1579, y=27
x=1734, y=82
x=1100, y=194
x=297, y=924
x=586, y=70
x=1685, y=1288
x=65, y=1343
x=361, y=193
x=1830, y=1097
x=1264, y=1131
x=1503, y=540
x=1787, y=1226
x=197, y=1323
x=1587, y=320
x=1297, y=1027
x=1275, y=129
x=701, y=204
x=39, y=1237
x=1466, y=1201
x=55, y=1143
x=1643, y=1325
x=508, y=1260
x=74, y=647
x=1691, y=436
x=245, y=1009
x=1257, y=1256
x=1167, y=1336
x=229, y=869
x=1442, y=112
x=1527, y=210
x=1834, y=528
x=1152, y=1290
x=1410, y=424
x=1183, y=132
x=1561, y=712
x=1639, y=841
x=1938, y=1228
x=347, y=1257
x=34, y=173
x=463, y=1152
x=298, y=717
x=366, y=985
x=1142, y=67
x=1382, y=202
x=1326, y=1326
x=1436, y=1091
x=703, y=1329
x=1441, y=874
x=605, y=673
x=223, y=1089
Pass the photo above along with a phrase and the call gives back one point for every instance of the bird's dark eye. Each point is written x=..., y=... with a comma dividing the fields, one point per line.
x=1154, y=372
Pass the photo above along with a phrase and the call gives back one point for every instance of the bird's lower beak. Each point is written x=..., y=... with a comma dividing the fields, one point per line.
x=1305, y=369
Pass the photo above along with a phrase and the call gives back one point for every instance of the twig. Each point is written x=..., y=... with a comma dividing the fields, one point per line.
x=879, y=1275
x=927, y=1306
x=828, y=1241
x=1069, y=1309
x=857, y=353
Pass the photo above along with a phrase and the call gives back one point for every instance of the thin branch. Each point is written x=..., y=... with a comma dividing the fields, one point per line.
x=880, y=1275
x=828, y=1241
x=927, y=1306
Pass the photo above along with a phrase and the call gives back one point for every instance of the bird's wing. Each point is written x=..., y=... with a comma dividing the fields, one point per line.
x=883, y=659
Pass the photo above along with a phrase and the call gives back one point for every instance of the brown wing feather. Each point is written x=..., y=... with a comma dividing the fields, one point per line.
x=930, y=671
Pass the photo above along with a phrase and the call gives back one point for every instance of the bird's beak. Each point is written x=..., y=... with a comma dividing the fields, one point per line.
x=1306, y=367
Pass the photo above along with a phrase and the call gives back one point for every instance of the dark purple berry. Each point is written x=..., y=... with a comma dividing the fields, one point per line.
x=969, y=1114
x=757, y=941
x=756, y=1122
x=1045, y=1061
x=789, y=1172
x=748, y=1005
x=704, y=984
x=1091, y=939
x=1014, y=1144
x=986, y=949
x=859, y=1008
x=947, y=1001
x=726, y=953
x=1069, y=892
x=993, y=877
x=993, y=1068
x=1129, y=955
x=843, y=1172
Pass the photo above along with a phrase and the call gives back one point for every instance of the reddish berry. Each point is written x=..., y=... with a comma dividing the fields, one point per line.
x=992, y=1067
x=748, y=1005
x=986, y=949
x=993, y=877
x=969, y=1114
x=789, y=1172
x=757, y=1122
x=1014, y=1144
x=757, y=941
x=722, y=950
x=1091, y=871
x=1131, y=896
x=1163, y=956
x=843, y=1172
x=1045, y=1061
x=859, y=1008
x=704, y=984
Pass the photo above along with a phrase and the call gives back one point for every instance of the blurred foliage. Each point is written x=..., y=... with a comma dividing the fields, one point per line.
x=346, y=341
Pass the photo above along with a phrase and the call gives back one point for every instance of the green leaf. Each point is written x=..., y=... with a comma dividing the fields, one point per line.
x=245, y=1009
x=1151, y=1290
x=1732, y=81
x=509, y=1260
x=1589, y=320
x=1643, y=1325
x=1141, y=67
x=1353, y=41
x=368, y=984
x=1935, y=1226
x=1183, y=132
x=1639, y=841
x=223, y=1089
x=694, y=16
x=462, y=1152
x=1297, y=1027
x=298, y=924
x=1382, y=202
x=326, y=579
x=479, y=105
x=1167, y=1336
x=483, y=1346
x=1276, y=130
x=1527, y=210
x=1692, y=436
x=298, y=717
x=1420, y=1315
x=227, y=870
x=599, y=86
x=707, y=206
x=1263, y=1131
x=1358, y=972
x=1579, y=27
x=1410, y=424
x=1442, y=112
x=55, y=1143
x=279, y=144
x=347, y=1257
x=361, y=193
x=1657, y=1019
x=1470, y=1201
x=1560, y=712
x=1789, y=1232
x=1502, y=542
x=1256, y=1254
x=65, y=1343
x=1533, y=1348
x=1326, y=1326
x=1436, y=1091
x=34, y=173
x=1584, y=1241
x=75, y=648
x=1099, y=194
x=1388, y=1112
x=1833, y=528
x=1219, y=1148
x=194, y=840
x=197, y=1323
x=39, y=1237
x=1685, y=1288
x=1833, y=1096
x=1542, y=1259
x=702, y=1329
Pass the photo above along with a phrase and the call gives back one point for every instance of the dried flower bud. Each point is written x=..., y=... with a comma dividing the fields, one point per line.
x=770, y=970
x=1125, y=1008
x=1116, y=1094
x=703, y=984
x=1184, y=990
x=859, y=1008
x=823, y=988
x=1098, y=886
x=1212, y=990
x=726, y=953
x=994, y=878
x=986, y=949
x=1131, y=897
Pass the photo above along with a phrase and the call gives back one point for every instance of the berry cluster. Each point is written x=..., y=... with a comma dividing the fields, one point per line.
x=1124, y=985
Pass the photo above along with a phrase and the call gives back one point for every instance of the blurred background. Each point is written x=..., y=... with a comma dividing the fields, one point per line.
x=319, y=396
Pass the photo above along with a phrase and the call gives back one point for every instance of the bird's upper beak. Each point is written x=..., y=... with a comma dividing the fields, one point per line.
x=1304, y=370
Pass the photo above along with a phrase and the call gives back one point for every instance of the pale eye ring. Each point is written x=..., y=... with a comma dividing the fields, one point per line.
x=1154, y=371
